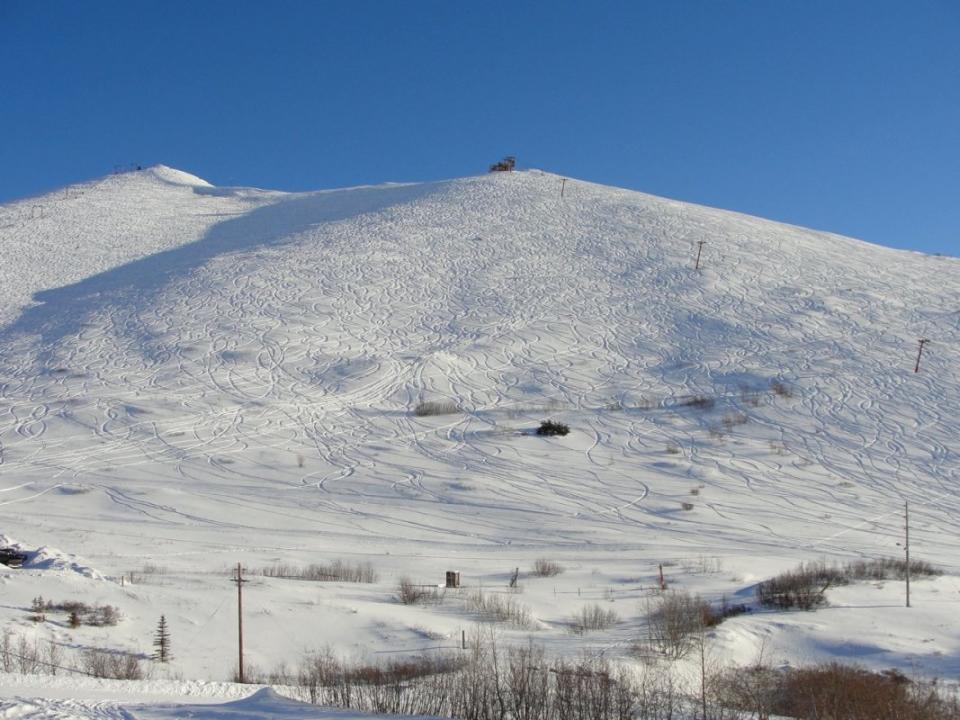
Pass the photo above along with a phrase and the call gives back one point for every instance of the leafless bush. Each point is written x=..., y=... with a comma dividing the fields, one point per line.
x=674, y=622
x=436, y=407
x=336, y=571
x=488, y=683
x=410, y=593
x=702, y=565
x=671, y=449
x=542, y=567
x=95, y=615
x=7, y=651
x=731, y=420
x=687, y=505
x=54, y=659
x=834, y=691
x=778, y=387
x=887, y=569
x=19, y=654
x=805, y=586
x=695, y=491
x=699, y=402
x=594, y=617
x=106, y=664
x=801, y=588
x=29, y=656
x=104, y=615
x=501, y=608
x=38, y=609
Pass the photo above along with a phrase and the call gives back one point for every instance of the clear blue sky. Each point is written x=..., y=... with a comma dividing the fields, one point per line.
x=840, y=115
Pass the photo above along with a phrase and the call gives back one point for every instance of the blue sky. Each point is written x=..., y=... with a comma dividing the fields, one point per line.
x=839, y=115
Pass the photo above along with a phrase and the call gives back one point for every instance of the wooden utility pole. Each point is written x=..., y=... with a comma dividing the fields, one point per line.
x=923, y=341
x=700, y=244
x=906, y=544
x=563, y=184
x=240, y=581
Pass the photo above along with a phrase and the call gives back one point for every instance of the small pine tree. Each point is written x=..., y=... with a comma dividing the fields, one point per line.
x=39, y=608
x=161, y=641
x=74, y=619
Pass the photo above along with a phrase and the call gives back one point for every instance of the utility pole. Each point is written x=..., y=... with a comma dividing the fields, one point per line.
x=906, y=544
x=700, y=244
x=563, y=184
x=923, y=341
x=240, y=581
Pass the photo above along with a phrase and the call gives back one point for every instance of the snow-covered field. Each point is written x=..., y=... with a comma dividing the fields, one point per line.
x=192, y=377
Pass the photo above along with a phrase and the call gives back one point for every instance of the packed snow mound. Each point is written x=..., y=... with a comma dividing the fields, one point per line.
x=47, y=558
x=176, y=177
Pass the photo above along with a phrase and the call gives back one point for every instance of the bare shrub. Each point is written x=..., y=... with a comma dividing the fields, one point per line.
x=778, y=387
x=410, y=593
x=687, y=505
x=104, y=615
x=594, y=617
x=54, y=657
x=549, y=428
x=335, y=571
x=38, y=609
x=95, y=615
x=834, y=691
x=488, y=683
x=28, y=656
x=542, y=567
x=887, y=569
x=752, y=689
x=698, y=402
x=805, y=587
x=702, y=565
x=674, y=622
x=427, y=408
x=731, y=420
x=501, y=608
x=102, y=663
x=802, y=588
x=7, y=652
x=695, y=491
x=671, y=449
x=21, y=655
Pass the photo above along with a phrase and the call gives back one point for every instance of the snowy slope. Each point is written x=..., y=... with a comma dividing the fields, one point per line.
x=193, y=376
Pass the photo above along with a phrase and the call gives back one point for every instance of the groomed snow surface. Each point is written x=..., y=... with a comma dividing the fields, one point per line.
x=193, y=376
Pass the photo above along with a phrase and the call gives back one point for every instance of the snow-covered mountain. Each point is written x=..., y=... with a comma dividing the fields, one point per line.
x=192, y=376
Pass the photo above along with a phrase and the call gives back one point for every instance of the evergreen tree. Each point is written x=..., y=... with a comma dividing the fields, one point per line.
x=161, y=641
